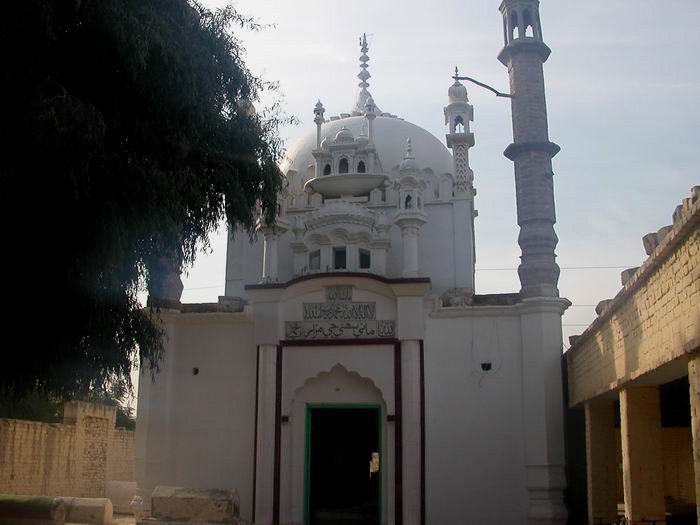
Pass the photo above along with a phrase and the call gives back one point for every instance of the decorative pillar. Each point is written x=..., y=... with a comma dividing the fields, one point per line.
x=543, y=410
x=643, y=474
x=409, y=236
x=370, y=115
x=694, y=380
x=531, y=151
x=411, y=216
x=319, y=110
x=601, y=466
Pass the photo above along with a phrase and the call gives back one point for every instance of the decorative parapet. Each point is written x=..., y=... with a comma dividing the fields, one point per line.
x=653, y=320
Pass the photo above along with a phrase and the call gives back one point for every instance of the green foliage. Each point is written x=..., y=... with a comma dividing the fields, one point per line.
x=48, y=408
x=125, y=135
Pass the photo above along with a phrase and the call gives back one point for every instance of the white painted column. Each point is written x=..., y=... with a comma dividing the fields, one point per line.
x=265, y=458
x=543, y=410
x=409, y=235
x=411, y=426
x=153, y=424
x=270, y=257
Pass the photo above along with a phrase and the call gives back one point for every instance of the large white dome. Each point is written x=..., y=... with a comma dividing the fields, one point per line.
x=390, y=134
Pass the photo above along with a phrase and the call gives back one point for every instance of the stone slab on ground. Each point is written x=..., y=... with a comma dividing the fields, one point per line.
x=121, y=493
x=91, y=511
x=179, y=504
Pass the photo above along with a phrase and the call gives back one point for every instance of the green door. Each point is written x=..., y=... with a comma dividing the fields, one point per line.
x=343, y=459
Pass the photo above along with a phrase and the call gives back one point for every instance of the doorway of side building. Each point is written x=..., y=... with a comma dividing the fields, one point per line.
x=343, y=465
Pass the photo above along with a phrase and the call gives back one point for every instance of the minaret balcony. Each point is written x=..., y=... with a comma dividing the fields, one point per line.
x=346, y=184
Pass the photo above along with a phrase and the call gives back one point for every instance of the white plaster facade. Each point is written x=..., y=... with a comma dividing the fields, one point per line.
x=376, y=235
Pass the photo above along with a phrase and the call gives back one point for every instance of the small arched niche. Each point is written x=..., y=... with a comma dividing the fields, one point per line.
x=514, y=26
x=529, y=25
x=459, y=124
x=343, y=166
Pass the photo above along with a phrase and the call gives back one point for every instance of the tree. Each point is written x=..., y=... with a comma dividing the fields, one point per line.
x=126, y=135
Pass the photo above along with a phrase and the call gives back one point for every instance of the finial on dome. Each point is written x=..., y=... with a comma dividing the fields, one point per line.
x=408, y=163
x=457, y=91
x=364, y=76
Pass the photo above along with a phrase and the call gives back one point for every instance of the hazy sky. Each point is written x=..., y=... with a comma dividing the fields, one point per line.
x=622, y=96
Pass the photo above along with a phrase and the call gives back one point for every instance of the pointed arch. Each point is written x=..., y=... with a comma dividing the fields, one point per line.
x=514, y=26
x=329, y=378
x=528, y=24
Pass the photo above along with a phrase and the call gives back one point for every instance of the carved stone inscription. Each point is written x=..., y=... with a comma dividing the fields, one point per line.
x=339, y=311
x=339, y=318
x=339, y=330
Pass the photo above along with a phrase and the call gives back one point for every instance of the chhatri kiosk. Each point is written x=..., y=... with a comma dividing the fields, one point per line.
x=351, y=374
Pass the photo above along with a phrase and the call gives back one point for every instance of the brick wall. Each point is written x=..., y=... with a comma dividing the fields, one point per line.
x=120, y=466
x=677, y=458
x=73, y=458
x=654, y=320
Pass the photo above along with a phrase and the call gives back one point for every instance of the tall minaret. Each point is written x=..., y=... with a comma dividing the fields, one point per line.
x=524, y=54
x=459, y=113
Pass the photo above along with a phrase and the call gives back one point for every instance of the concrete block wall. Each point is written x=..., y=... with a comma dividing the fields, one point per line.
x=653, y=320
x=73, y=458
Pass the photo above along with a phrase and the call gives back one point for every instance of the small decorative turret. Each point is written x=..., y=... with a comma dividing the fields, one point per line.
x=411, y=215
x=319, y=110
x=458, y=114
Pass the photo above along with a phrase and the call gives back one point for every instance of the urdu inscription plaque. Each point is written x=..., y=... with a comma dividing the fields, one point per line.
x=340, y=318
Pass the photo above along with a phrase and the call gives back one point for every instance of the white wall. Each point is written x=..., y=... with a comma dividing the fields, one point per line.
x=199, y=429
x=474, y=445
